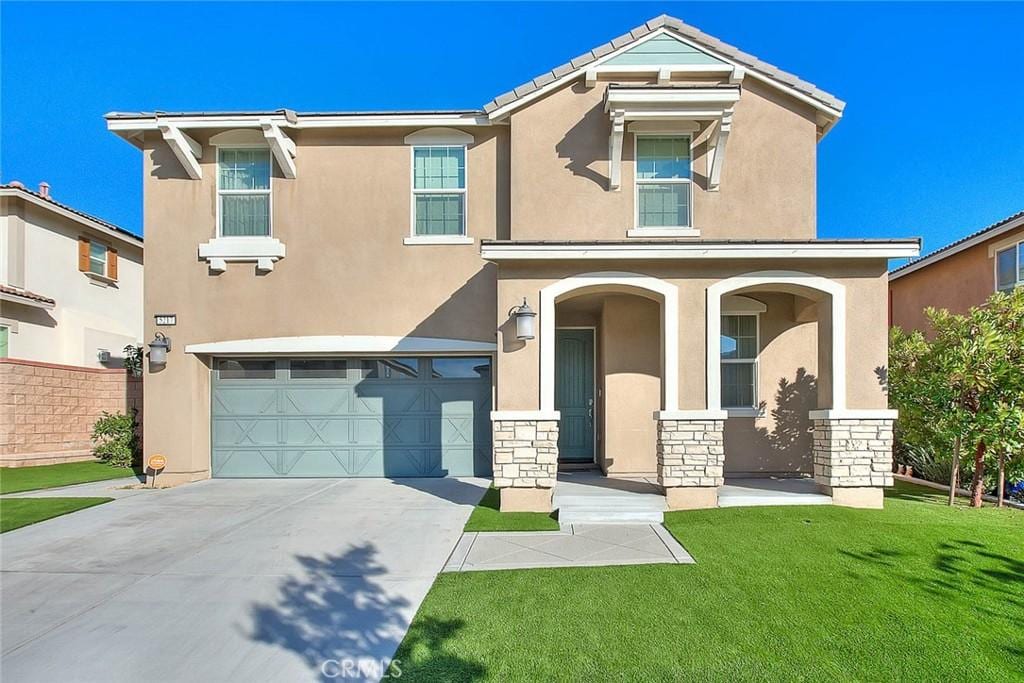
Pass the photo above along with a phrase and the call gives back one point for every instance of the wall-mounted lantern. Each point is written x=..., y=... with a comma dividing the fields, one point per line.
x=526, y=319
x=158, y=349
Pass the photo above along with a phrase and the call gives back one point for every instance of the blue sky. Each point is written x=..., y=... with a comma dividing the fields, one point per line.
x=931, y=144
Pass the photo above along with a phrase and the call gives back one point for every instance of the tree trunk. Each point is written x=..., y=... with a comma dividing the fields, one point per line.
x=954, y=475
x=978, y=482
x=1002, y=477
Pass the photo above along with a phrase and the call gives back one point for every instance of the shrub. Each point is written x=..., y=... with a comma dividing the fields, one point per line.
x=925, y=463
x=115, y=438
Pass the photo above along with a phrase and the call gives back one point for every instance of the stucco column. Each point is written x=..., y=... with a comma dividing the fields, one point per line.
x=853, y=455
x=691, y=457
x=525, y=459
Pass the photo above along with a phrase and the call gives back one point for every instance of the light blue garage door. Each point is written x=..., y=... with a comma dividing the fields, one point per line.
x=352, y=417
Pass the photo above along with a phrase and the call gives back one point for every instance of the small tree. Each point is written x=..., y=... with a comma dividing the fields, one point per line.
x=133, y=360
x=115, y=438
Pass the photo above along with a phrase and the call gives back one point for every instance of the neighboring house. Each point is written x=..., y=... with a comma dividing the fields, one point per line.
x=70, y=283
x=70, y=301
x=960, y=275
x=346, y=286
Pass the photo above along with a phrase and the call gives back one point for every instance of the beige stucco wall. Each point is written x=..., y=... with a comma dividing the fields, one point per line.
x=40, y=254
x=956, y=283
x=559, y=170
x=346, y=270
x=778, y=439
x=866, y=340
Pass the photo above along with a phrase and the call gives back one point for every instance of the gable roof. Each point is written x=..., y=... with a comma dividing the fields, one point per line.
x=684, y=31
x=50, y=204
x=1007, y=224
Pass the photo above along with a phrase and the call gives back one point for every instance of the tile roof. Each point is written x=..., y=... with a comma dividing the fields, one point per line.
x=684, y=30
x=26, y=294
x=951, y=248
x=21, y=188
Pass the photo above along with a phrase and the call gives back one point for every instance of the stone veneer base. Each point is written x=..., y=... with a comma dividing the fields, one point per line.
x=852, y=453
x=691, y=453
x=525, y=453
x=525, y=500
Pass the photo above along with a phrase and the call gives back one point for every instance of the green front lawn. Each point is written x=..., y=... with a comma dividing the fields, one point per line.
x=917, y=591
x=18, y=512
x=17, y=479
x=486, y=517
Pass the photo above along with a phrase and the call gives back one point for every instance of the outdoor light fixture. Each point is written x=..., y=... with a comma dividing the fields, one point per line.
x=158, y=349
x=526, y=317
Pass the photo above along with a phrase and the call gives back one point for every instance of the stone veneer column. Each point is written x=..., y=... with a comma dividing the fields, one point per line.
x=525, y=463
x=853, y=457
x=691, y=457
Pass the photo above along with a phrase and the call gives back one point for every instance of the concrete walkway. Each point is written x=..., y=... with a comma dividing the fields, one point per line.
x=744, y=492
x=109, y=488
x=225, y=580
x=581, y=545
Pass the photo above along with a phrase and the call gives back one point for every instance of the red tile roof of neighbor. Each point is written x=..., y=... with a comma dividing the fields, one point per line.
x=26, y=294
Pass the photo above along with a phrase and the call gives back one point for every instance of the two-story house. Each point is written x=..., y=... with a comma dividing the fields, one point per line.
x=613, y=265
x=960, y=275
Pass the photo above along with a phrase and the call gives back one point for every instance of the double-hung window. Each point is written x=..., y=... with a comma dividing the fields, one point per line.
x=243, y=192
x=739, y=361
x=663, y=187
x=1010, y=267
x=97, y=258
x=439, y=190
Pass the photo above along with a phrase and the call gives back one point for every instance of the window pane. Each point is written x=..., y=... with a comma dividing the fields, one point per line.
x=244, y=169
x=665, y=205
x=739, y=336
x=97, y=258
x=244, y=215
x=460, y=367
x=336, y=368
x=738, y=385
x=439, y=214
x=659, y=158
x=4, y=336
x=245, y=369
x=1006, y=268
x=1020, y=262
x=390, y=368
x=439, y=168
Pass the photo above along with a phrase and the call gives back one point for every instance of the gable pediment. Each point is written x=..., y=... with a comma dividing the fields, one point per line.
x=664, y=50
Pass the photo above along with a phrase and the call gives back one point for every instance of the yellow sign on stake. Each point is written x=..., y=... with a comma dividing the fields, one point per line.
x=157, y=462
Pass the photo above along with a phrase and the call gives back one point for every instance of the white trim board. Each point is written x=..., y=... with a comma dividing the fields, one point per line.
x=666, y=293
x=342, y=344
x=698, y=250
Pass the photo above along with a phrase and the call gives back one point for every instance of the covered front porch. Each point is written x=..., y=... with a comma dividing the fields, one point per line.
x=683, y=378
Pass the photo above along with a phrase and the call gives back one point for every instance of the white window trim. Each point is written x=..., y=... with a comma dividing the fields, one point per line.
x=661, y=230
x=269, y=191
x=413, y=238
x=1018, y=281
x=753, y=410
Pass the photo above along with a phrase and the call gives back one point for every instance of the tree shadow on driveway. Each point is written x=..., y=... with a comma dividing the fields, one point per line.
x=343, y=623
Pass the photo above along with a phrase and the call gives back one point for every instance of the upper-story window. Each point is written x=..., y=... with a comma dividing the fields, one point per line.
x=243, y=192
x=663, y=187
x=439, y=190
x=97, y=259
x=739, y=361
x=1010, y=267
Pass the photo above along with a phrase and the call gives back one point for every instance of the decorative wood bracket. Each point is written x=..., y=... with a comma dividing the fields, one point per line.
x=188, y=151
x=282, y=146
x=718, y=150
x=615, y=150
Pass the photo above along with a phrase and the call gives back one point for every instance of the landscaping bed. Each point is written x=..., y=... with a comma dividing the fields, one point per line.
x=915, y=591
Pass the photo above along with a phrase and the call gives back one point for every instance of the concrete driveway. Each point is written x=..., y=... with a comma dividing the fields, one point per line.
x=241, y=580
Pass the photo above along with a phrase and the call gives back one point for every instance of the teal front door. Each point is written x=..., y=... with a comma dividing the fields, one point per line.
x=574, y=394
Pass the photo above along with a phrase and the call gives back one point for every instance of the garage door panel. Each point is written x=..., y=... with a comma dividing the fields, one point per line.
x=393, y=424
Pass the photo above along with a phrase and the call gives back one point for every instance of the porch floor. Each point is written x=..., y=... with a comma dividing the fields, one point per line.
x=740, y=492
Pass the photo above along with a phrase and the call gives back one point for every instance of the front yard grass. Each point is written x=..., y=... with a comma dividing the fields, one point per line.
x=18, y=479
x=18, y=512
x=917, y=591
x=487, y=517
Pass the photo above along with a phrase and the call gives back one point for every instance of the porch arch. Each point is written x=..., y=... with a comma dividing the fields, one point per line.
x=837, y=294
x=644, y=285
